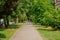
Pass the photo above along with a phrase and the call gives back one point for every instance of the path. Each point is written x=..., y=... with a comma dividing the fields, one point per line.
x=28, y=32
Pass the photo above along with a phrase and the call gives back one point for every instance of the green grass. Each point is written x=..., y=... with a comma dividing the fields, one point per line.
x=5, y=34
x=48, y=33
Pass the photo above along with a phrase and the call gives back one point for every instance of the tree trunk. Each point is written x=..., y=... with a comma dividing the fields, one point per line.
x=6, y=21
x=16, y=20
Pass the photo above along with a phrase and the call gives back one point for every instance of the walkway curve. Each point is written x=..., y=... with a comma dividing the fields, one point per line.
x=28, y=32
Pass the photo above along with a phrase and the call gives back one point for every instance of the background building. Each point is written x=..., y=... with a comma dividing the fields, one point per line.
x=57, y=4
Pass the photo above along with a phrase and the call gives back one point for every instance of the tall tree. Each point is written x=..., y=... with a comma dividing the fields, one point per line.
x=7, y=6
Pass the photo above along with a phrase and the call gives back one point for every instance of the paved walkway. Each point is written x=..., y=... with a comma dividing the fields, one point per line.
x=28, y=32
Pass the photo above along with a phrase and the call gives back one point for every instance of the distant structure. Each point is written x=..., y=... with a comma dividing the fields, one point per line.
x=57, y=4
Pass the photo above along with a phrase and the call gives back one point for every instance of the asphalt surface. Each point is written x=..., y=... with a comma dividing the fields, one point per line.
x=27, y=32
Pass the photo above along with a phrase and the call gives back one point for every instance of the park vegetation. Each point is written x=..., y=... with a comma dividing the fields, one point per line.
x=39, y=11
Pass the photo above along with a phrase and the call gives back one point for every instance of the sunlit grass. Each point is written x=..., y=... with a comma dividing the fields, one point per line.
x=5, y=34
x=48, y=33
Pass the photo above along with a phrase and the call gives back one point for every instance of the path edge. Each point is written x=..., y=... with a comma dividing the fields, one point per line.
x=16, y=31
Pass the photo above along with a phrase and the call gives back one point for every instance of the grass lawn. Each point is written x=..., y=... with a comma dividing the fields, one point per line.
x=5, y=34
x=48, y=33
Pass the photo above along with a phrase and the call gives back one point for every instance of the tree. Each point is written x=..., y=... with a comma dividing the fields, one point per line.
x=44, y=12
x=7, y=6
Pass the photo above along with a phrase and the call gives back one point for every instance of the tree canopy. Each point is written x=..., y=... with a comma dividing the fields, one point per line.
x=39, y=11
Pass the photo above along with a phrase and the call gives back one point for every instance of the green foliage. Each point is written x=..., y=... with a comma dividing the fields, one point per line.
x=44, y=12
x=2, y=2
x=39, y=11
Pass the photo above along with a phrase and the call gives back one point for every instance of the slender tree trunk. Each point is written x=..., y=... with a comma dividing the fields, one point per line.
x=16, y=20
x=6, y=21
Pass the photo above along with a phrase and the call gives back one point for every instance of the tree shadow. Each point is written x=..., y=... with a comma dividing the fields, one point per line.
x=2, y=29
x=13, y=26
x=2, y=36
x=46, y=29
